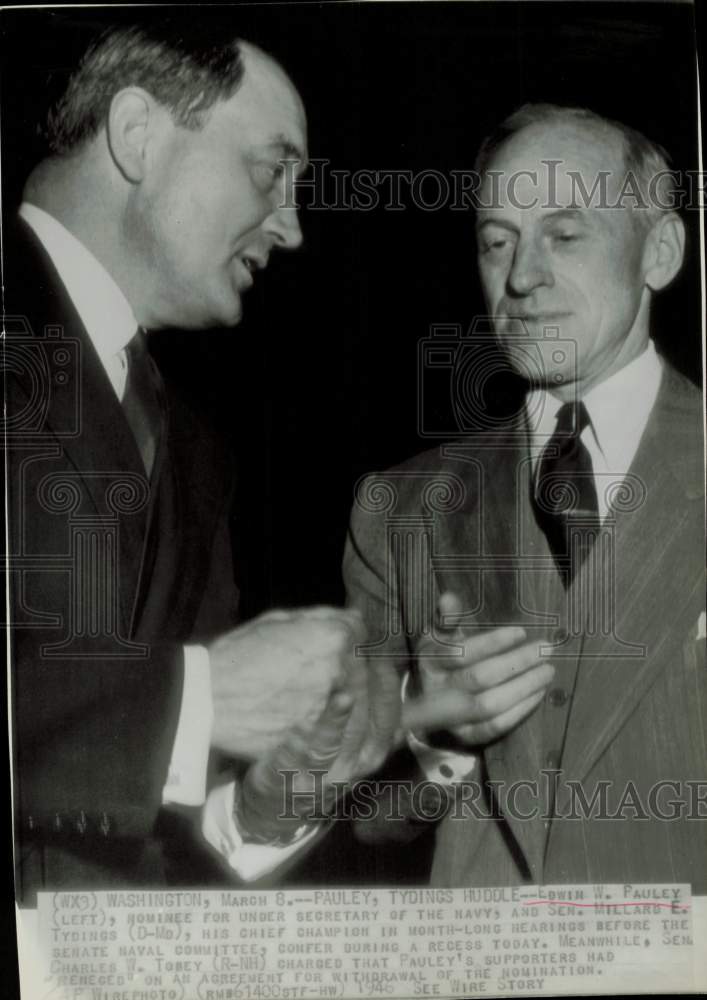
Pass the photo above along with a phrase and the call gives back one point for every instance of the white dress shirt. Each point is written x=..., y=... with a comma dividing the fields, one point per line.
x=618, y=410
x=110, y=324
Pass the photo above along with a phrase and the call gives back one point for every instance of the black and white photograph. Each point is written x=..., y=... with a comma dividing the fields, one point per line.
x=354, y=496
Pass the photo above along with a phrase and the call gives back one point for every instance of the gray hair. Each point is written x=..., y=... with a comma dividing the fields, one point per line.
x=644, y=160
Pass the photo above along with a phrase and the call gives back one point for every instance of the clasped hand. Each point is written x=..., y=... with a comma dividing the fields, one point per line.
x=291, y=695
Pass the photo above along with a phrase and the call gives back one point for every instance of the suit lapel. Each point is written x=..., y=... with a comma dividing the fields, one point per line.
x=516, y=588
x=520, y=753
x=654, y=549
x=655, y=553
x=86, y=418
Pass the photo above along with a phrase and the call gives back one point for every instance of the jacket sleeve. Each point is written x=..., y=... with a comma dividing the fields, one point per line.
x=92, y=738
x=371, y=579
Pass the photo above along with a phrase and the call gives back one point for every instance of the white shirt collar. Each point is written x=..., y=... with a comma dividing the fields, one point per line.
x=618, y=408
x=101, y=305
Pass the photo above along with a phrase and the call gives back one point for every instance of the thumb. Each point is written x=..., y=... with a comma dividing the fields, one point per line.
x=448, y=604
x=327, y=736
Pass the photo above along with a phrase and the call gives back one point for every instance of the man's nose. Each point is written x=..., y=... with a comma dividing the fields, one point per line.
x=283, y=225
x=530, y=268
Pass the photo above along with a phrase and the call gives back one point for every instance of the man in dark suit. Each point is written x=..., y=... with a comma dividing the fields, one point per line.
x=563, y=549
x=167, y=188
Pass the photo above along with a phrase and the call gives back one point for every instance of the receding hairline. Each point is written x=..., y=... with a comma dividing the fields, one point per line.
x=641, y=159
x=564, y=125
x=250, y=52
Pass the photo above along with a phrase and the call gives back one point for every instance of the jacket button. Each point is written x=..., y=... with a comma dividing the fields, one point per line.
x=557, y=697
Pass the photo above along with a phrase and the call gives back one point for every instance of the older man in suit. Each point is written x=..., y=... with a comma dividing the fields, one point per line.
x=167, y=188
x=563, y=549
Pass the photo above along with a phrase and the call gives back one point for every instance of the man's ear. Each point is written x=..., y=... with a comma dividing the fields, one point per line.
x=665, y=251
x=131, y=118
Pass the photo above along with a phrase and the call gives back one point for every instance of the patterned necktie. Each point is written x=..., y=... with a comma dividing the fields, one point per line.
x=565, y=495
x=141, y=400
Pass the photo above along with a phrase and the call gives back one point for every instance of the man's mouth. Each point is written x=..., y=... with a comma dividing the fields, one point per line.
x=537, y=317
x=251, y=263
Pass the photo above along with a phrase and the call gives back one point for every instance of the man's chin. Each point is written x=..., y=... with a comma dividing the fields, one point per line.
x=214, y=315
x=226, y=315
x=548, y=363
x=233, y=311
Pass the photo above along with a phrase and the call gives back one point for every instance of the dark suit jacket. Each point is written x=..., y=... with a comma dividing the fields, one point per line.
x=110, y=575
x=628, y=704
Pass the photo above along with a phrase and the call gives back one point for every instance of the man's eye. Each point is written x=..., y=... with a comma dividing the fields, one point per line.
x=269, y=173
x=565, y=237
x=495, y=246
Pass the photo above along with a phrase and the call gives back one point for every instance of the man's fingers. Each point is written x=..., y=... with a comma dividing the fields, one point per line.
x=495, y=670
x=485, y=731
x=326, y=746
x=503, y=697
x=474, y=648
x=449, y=707
x=325, y=739
x=350, y=619
x=276, y=615
x=316, y=611
x=437, y=710
x=348, y=622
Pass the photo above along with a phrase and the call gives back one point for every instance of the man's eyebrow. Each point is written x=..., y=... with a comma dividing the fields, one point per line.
x=570, y=214
x=289, y=149
x=498, y=223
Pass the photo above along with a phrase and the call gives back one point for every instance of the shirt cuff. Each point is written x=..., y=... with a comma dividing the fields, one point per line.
x=248, y=861
x=186, y=778
x=441, y=766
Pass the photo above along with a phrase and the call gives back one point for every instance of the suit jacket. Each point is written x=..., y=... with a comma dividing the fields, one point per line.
x=628, y=703
x=110, y=576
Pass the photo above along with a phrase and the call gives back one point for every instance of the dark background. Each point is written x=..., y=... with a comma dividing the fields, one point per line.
x=319, y=383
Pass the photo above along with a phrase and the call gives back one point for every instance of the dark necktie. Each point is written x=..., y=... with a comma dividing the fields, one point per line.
x=141, y=400
x=565, y=496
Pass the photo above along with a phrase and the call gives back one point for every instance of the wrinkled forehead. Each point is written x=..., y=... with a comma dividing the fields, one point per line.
x=554, y=164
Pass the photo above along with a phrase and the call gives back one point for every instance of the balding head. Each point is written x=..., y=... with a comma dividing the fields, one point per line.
x=640, y=168
x=568, y=262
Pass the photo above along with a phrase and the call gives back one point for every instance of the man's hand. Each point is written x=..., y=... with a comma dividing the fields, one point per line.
x=279, y=671
x=294, y=784
x=482, y=694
